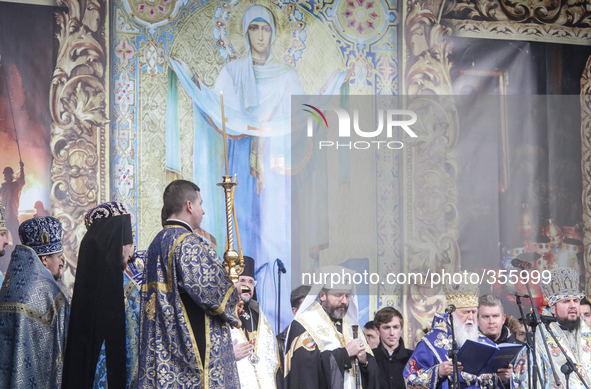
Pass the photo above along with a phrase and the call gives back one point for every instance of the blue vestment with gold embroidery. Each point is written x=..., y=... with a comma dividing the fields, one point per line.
x=422, y=369
x=132, y=322
x=183, y=273
x=34, y=317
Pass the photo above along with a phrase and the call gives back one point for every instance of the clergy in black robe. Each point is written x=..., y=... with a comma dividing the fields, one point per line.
x=297, y=298
x=321, y=349
x=103, y=340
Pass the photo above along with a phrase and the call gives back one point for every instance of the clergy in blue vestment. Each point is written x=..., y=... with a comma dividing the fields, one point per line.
x=34, y=311
x=103, y=335
x=188, y=303
x=430, y=366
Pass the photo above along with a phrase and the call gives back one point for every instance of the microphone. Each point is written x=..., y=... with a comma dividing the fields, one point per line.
x=281, y=266
x=518, y=263
x=450, y=309
x=525, y=296
x=566, y=369
x=548, y=319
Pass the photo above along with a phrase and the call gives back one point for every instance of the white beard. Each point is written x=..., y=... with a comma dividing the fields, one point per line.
x=464, y=332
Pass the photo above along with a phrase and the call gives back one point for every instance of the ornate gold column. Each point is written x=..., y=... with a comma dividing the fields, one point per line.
x=586, y=169
x=430, y=165
x=79, y=134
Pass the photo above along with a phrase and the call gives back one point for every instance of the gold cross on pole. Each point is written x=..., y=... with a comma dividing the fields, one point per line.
x=260, y=128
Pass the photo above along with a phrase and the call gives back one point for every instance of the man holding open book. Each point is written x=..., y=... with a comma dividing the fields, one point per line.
x=571, y=331
x=430, y=366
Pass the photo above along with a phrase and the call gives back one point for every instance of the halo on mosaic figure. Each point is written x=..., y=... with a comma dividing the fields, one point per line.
x=317, y=52
x=282, y=29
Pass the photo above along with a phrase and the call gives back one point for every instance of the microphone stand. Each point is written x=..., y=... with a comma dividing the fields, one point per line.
x=280, y=269
x=529, y=343
x=535, y=320
x=355, y=329
x=278, y=300
x=569, y=365
x=453, y=353
x=566, y=370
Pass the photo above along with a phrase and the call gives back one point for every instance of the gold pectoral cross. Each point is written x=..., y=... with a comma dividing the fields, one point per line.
x=260, y=128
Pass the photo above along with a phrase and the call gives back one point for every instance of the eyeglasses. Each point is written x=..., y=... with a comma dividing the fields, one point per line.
x=339, y=296
x=249, y=282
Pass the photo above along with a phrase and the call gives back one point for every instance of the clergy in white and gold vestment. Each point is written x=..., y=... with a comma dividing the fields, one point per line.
x=255, y=345
x=320, y=348
x=573, y=334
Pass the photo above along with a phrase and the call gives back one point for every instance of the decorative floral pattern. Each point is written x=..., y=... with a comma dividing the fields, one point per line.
x=151, y=55
x=361, y=19
x=124, y=51
x=443, y=341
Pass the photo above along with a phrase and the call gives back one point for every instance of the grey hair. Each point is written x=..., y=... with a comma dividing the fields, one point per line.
x=489, y=300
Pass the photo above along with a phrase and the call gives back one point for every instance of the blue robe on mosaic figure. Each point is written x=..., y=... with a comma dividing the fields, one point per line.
x=422, y=369
x=188, y=303
x=34, y=312
x=257, y=101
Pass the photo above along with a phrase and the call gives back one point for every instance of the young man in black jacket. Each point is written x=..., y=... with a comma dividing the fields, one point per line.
x=391, y=355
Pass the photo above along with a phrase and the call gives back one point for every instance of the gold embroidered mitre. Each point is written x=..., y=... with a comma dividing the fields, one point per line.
x=462, y=295
x=564, y=283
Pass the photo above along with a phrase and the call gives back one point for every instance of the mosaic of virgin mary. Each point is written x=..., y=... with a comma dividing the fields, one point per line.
x=257, y=91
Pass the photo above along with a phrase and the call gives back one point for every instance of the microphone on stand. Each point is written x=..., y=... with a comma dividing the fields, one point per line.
x=280, y=269
x=518, y=263
x=548, y=319
x=450, y=309
x=522, y=295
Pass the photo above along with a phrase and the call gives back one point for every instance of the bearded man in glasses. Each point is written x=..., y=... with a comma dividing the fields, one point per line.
x=321, y=348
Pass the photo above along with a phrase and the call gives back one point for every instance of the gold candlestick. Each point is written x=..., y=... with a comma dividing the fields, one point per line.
x=233, y=261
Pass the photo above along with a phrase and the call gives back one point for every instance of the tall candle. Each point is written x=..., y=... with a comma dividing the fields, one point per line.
x=236, y=221
x=225, y=136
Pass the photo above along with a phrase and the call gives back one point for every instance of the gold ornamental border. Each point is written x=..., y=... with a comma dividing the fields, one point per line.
x=78, y=102
x=586, y=168
x=429, y=213
x=528, y=20
x=520, y=31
